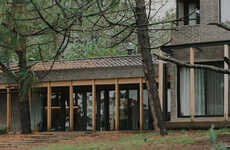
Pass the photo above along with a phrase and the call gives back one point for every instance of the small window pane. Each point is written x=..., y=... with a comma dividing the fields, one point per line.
x=225, y=12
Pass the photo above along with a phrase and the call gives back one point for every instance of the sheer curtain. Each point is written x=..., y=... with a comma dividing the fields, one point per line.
x=215, y=93
x=199, y=92
x=184, y=91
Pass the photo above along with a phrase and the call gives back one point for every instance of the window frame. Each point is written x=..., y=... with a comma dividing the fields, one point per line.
x=179, y=99
x=186, y=11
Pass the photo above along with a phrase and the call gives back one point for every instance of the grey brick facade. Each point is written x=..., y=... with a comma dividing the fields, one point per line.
x=192, y=34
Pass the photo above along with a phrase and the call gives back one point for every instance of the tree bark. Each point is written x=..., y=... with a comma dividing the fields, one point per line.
x=144, y=44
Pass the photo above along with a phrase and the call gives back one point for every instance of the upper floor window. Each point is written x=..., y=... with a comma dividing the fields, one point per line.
x=191, y=12
x=225, y=12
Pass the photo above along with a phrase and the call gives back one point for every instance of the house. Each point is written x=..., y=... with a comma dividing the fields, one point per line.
x=109, y=93
x=200, y=97
x=100, y=94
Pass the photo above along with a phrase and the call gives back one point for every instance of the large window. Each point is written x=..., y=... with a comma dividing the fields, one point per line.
x=191, y=12
x=225, y=11
x=209, y=93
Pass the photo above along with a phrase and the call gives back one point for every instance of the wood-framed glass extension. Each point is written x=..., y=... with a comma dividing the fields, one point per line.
x=87, y=105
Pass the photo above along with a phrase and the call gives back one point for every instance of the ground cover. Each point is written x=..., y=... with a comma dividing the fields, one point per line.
x=176, y=140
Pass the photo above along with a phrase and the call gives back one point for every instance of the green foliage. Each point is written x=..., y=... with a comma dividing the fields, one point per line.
x=213, y=135
x=3, y=131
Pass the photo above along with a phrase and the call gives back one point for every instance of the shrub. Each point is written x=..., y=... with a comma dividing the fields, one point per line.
x=213, y=135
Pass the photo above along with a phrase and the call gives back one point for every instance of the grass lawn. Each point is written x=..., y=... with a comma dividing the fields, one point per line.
x=175, y=140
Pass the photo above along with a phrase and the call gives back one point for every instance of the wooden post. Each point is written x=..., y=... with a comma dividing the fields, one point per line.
x=192, y=86
x=117, y=104
x=141, y=103
x=8, y=120
x=226, y=77
x=49, y=95
x=93, y=105
x=71, y=114
x=161, y=80
x=29, y=99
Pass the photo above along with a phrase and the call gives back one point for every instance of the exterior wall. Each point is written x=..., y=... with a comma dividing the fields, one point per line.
x=209, y=13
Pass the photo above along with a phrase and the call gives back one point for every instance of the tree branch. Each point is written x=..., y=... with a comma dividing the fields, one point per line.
x=6, y=70
x=196, y=66
x=227, y=60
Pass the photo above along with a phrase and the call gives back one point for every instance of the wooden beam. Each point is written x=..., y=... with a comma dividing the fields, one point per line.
x=117, y=105
x=141, y=103
x=93, y=105
x=2, y=86
x=82, y=82
x=49, y=95
x=128, y=80
x=192, y=85
x=8, y=103
x=59, y=83
x=226, y=85
x=71, y=114
x=104, y=82
x=40, y=84
x=161, y=80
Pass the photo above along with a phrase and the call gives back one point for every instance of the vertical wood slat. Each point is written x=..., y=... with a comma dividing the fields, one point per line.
x=71, y=114
x=226, y=85
x=192, y=85
x=141, y=103
x=8, y=103
x=160, y=79
x=117, y=105
x=93, y=105
x=49, y=95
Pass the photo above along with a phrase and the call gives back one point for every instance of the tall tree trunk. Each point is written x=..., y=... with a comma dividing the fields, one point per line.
x=24, y=85
x=144, y=49
x=25, y=76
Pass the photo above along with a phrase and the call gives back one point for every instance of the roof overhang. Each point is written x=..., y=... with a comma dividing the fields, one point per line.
x=170, y=48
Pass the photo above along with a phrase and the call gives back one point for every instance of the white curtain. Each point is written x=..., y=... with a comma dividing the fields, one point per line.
x=199, y=92
x=184, y=91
